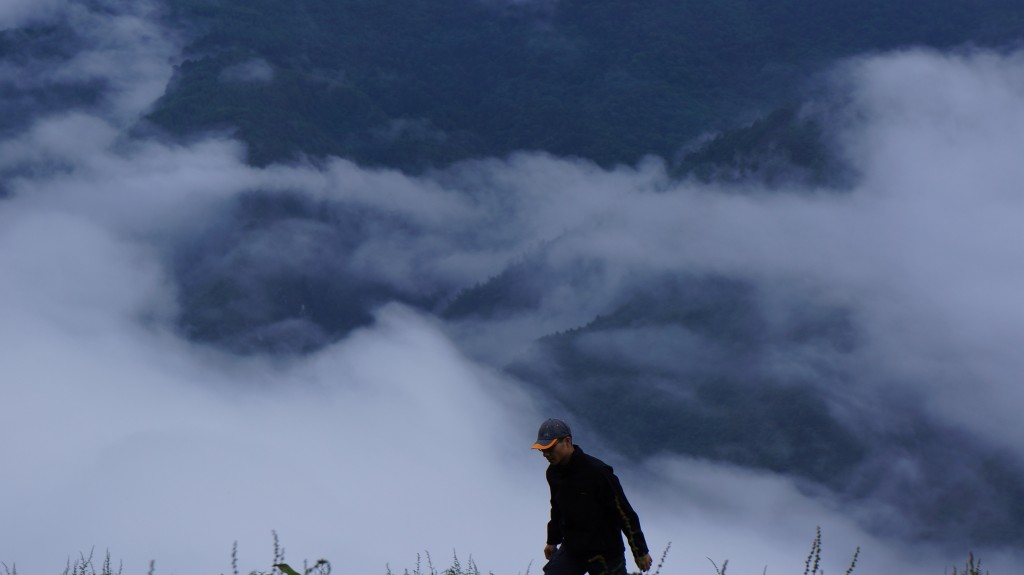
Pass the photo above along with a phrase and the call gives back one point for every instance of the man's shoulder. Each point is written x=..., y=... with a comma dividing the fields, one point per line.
x=592, y=462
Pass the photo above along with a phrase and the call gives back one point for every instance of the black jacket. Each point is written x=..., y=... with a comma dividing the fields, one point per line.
x=589, y=511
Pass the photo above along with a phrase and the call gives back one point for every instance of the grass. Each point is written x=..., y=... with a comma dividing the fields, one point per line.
x=812, y=565
x=971, y=568
x=85, y=564
x=457, y=568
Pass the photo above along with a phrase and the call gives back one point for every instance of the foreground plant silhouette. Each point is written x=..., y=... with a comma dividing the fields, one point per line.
x=84, y=565
x=812, y=566
x=971, y=568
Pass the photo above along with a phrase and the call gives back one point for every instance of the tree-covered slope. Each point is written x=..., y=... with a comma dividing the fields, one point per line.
x=415, y=83
x=711, y=368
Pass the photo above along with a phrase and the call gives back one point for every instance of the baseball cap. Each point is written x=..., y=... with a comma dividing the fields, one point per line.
x=551, y=431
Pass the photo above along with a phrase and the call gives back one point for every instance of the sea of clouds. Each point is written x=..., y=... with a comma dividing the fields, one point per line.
x=402, y=438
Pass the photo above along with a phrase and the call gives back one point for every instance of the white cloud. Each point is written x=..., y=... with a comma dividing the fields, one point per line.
x=119, y=47
x=383, y=445
x=128, y=50
x=924, y=250
x=758, y=520
x=392, y=441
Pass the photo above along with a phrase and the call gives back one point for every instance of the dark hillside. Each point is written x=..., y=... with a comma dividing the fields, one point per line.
x=785, y=147
x=254, y=279
x=416, y=83
x=699, y=366
x=20, y=51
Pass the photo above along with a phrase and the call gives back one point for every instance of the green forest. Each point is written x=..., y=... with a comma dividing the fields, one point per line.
x=416, y=84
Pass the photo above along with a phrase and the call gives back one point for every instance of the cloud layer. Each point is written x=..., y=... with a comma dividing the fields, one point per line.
x=405, y=435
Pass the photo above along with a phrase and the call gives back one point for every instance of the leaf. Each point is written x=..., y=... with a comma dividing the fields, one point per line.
x=286, y=569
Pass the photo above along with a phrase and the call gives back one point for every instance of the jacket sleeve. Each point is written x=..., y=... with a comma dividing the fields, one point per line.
x=628, y=520
x=555, y=524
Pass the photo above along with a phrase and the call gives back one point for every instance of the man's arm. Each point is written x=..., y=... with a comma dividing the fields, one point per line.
x=554, y=525
x=629, y=522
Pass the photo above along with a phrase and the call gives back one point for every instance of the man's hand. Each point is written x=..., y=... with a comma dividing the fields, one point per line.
x=549, y=551
x=644, y=563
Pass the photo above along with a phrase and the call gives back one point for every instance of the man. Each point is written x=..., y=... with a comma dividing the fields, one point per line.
x=589, y=511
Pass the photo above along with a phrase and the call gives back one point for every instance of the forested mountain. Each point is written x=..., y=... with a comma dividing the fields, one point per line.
x=702, y=365
x=420, y=83
x=263, y=261
x=415, y=84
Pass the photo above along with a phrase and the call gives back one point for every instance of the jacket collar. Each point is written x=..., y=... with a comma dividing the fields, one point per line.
x=576, y=458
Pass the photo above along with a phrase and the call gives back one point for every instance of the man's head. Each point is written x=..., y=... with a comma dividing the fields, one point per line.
x=554, y=440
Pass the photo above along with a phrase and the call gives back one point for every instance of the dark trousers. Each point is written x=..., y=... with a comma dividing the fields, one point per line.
x=565, y=563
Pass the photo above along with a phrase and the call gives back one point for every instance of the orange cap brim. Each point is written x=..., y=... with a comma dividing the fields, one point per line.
x=542, y=446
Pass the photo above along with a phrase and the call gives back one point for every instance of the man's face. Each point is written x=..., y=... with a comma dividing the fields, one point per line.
x=558, y=454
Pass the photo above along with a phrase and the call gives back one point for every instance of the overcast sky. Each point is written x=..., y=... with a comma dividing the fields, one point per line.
x=404, y=437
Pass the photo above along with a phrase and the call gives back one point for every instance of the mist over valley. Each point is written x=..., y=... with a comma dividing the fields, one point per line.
x=323, y=267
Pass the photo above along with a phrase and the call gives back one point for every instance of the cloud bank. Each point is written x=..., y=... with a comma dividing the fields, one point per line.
x=405, y=435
